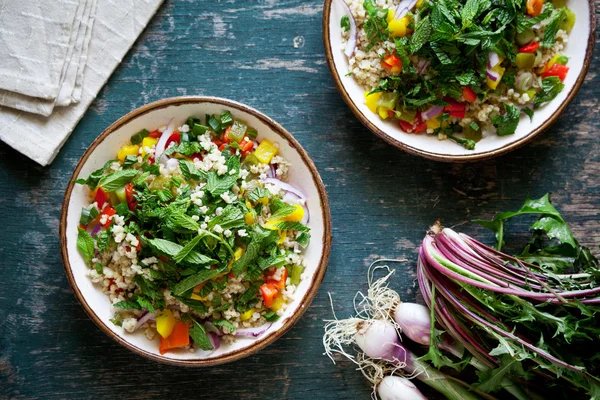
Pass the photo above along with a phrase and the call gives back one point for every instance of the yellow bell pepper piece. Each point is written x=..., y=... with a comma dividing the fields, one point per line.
x=238, y=253
x=383, y=112
x=420, y=3
x=494, y=84
x=265, y=151
x=264, y=200
x=127, y=150
x=371, y=100
x=196, y=290
x=399, y=27
x=249, y=218
x=551, y=63
x=247, y=315
x=272, y=224
x=390, y=15
x=248, y=204
x=148, y=143
x=277, y=303
x=433, y=123
x=282, y=237
x=165, y=322
x=297, y=215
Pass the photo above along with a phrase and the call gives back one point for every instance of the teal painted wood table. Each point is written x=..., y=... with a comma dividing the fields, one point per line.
x=269, y=55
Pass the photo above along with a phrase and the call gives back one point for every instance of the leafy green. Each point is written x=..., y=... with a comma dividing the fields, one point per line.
x=552, y=28
x=345, y=23
x=189, y=171
x=196, y=279
x=421, y=35
x=375, y=26
x=128, y=304
x=506, y=124
x=85, y=244
x=259, y=193
x=231, y=217
x=219, y=184
x=117, y=179
x=281, y=209
x=551, y=87
x=199, y=336
x=225, y=324
x=260, y=239
x=92, y=180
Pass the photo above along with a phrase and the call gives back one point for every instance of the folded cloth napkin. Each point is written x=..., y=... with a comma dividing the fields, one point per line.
x=68, y=81
x=117, y=25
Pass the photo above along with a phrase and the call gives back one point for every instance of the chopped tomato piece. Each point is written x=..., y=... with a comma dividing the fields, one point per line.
x=454, y=105
x=458, y=114
x=174, y=138
x=469, y=94
x=416, y=127
x=269, y=293
x=154, y=134
x=530, y=48
x=179, y=337
x=131, y=203
x=557, y=70
x=151, y=160
x=393, y=60
x=226, y=135
x=101, y=197
x=196, y=155
x=222, y=147
x=534, y=7
x=246, y=146
x=109, y=212
x=279, y=283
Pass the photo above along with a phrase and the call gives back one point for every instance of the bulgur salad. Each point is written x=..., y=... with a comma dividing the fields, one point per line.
x=194, y=233
x=458, y=69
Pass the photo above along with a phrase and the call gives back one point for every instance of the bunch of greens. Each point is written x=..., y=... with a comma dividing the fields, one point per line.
x=197, y=245
x=531, y=317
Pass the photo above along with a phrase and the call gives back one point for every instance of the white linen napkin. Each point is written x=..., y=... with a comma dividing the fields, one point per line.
x=117, y=25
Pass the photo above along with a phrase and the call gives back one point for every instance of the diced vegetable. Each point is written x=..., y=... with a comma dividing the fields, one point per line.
x=499, y=72
x=557, y=70
x=296, y=274
x=120, y=195
x=277, y=303
x=131, y=202
x=269, y=293
x=101, y=197
x=534, y=7
x=109, y=212
x=265, y=151
x=179, y=337
x=147, y=144
x=245, y=316
x=165, y=322
x=296, y=215
x=525, y=37
x=372, y=100
x=392, y=63
x=279, y=283
x=525, y=60
x=399, y=28
x=569, y=21
x=530, y=48
x=237, y=132
x=88, y=215
x=469, y=95
x=126, y=151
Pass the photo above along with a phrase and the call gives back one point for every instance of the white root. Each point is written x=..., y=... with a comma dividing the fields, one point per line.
x=378, y=304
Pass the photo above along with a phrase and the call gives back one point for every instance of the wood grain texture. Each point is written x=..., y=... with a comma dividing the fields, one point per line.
x=382, y=202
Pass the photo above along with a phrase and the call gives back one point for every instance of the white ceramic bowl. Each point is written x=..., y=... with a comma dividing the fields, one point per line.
x=579, y=50
x=303, y=174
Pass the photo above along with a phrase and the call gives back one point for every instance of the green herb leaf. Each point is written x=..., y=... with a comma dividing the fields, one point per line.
x=85, y=244
x=130, y=160
x=128, y=305
x=219, y=184
x=92, y=180
x=199, y=336
x=345, y=23
x=196, y=279
x=189, y=171
x=421, y=35
x=506, y=124
x=225, y=324
x=551, y=87
x=281, y=209
x=117, y=179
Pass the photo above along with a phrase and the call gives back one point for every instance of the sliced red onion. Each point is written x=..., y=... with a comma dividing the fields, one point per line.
x=145, y=318
x=351, y=43
x=253, y=332
x=272, y=173
x=214, y=340
x=162, y=143
x=306, y=217
x=95, y=230
x=493, y=59
x=432, y=112
x=286, y=186
x=493, y=75
x=404, y=7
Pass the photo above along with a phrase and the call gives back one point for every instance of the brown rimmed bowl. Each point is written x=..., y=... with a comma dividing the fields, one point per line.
x=579, y=49
x=303, y=174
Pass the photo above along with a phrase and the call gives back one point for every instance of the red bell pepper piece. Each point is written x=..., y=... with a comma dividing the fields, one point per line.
x=109, y=212
x=557, y=70
x=390, y=61
x=196, y=155
x=454, y=105
x=131, y=203
x=529, y=48
x=179, y=337
x=246, y=146
x=154, y=134
x=458, y=114
x=226, y=138
x=279, y=283
x=269, y=293
x=469, y=94
x=101, y=197
x=174, y=138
